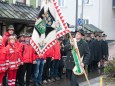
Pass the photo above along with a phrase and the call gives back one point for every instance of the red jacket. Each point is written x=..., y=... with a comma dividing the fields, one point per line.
x=5, y=38
x=13, y=55
x=49, y=53
x=28, y=53
x=3, y=59
x=57, y=54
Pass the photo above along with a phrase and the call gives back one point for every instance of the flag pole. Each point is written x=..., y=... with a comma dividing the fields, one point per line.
x=46, y=1
x=79, y=58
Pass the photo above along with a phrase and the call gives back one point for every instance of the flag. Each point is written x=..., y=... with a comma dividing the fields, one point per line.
x=49, y=26
x=78, y=70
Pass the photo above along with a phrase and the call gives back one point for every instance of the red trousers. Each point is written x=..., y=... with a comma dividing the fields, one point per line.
x=1, y=78
x=12, y=77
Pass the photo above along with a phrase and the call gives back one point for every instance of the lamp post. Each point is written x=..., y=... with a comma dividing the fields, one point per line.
x=76, y=15
x=82, y=14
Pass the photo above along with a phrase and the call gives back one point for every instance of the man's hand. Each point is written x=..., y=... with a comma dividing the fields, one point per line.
x=72, y=43
x=34, y=62
x=40, y=56
x=44, y=61
x=21, y=63
x=82, y=65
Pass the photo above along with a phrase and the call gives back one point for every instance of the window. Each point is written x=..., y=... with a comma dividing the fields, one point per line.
x=2, y=0
x=21, y=1
x=61, y=3
x=87, y=2
x=38, y=3
x=113, y=3
x=86, y=21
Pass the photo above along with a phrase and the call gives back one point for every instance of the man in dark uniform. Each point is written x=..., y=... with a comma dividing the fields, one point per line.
x=84, y=52
x=91, y=47
x=97, y=51
x=105, y=52
x=92, y=36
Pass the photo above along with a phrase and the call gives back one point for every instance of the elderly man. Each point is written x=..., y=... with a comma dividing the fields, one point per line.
x=7, y=34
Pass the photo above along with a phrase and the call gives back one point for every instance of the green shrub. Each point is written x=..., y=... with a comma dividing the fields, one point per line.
x=110, y=68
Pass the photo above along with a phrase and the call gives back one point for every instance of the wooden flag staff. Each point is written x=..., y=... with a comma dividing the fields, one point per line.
x=79, y=58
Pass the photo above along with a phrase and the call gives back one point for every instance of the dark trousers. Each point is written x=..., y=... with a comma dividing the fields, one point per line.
x=32, y=72
x=60, y=69
x=72, y=77
x=5, y=80
x=26, y=68
x=18, y=76
x=1, y=78
x=46, y=71
x=38, y=71
x=54, y=68
x=95, y=64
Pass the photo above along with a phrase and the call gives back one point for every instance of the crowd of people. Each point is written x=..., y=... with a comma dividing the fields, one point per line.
x=20, y=64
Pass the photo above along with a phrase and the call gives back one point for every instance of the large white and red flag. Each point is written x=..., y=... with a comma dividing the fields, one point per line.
x=49, y=26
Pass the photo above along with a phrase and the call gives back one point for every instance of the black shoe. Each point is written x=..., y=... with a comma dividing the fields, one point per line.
x=36, y=84
x=40, y=84
x=21, y=84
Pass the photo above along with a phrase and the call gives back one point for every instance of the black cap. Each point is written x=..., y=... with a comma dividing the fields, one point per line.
x=27, y=35
x=22, y=35
x=10, y=27
x=88, y=35
x=104, y=35
x=81, y=31
x=97, y=35
x=60, y=39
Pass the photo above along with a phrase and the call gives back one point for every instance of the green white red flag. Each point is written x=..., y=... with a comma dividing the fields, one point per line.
x=49, y=26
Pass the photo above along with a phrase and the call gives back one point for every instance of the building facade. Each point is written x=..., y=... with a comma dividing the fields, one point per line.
x=20, y=13
x=100, y=13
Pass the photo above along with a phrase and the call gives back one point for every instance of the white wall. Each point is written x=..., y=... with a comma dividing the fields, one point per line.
x=99, y=13
x=108, y=19
x=28, y=2
x=69, y=11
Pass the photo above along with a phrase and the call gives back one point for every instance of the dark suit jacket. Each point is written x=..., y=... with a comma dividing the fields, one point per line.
x=84, y=52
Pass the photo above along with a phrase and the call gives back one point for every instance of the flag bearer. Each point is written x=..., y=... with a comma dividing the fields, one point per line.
x=84, y=52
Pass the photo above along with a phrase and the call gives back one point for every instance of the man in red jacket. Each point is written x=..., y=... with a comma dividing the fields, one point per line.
x=7, y=34
x=21, y=49
x=3, y=61
x=28, y=60
x=55, y=62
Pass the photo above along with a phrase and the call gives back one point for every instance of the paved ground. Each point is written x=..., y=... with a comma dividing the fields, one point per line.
x=93, y=76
